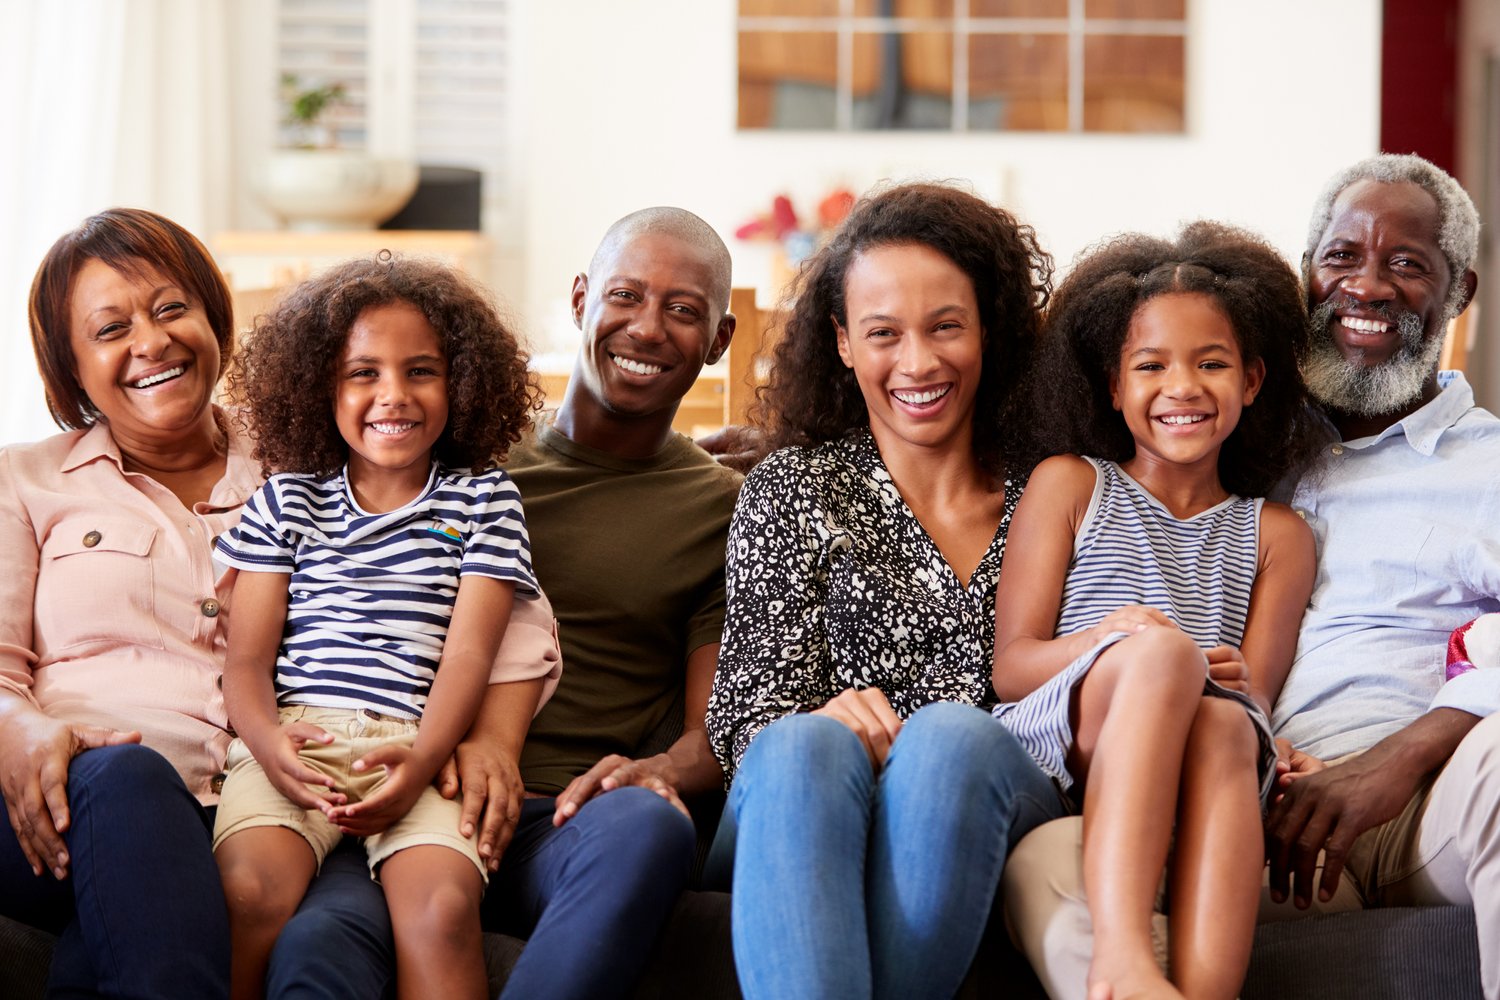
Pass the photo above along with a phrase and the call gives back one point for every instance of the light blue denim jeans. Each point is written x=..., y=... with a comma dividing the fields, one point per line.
x=849, y=883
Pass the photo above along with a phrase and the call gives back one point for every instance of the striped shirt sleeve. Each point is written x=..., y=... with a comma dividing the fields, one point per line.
x=498, y=545
x=258, y=543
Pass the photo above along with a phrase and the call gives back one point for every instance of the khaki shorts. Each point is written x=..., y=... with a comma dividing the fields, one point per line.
x=249, y=799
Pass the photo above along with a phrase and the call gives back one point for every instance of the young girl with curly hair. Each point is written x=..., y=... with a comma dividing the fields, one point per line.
x=1147, y=612
x=874, y=803
x=377, y=570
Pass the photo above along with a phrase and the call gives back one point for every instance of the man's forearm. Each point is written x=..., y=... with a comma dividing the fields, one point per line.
x=1424, y=746
x=690, y=765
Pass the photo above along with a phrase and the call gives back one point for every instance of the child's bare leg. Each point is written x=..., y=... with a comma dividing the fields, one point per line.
x=1133, y=711
x=1218, y=856
x=265, y=871
x=433, y=893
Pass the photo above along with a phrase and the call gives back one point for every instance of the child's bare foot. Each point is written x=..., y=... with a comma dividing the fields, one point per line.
x=1100, y=991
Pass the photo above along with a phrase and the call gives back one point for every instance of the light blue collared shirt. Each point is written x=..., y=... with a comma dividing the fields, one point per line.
x=1408, y=531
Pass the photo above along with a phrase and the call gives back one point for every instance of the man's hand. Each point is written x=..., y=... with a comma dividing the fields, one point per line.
x=867, y=712
x=1328, y=808
x=738, y=446
x=492, y=791
x=35, y=751
x=1325, y=809
x=615, y=771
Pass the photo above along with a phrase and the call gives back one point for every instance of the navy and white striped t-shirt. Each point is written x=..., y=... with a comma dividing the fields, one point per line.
x=371, y=595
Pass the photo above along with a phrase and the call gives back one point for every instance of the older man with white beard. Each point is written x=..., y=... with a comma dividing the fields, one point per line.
x=1392, y=793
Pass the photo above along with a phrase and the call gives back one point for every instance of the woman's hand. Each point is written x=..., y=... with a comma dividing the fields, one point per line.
x=490, y=780
x=35, y=751
x=867, y=712
x=277, y=751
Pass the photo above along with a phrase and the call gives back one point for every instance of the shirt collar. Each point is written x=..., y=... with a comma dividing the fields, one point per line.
x=96, y=442
x=1424, y=427
x=241, y=477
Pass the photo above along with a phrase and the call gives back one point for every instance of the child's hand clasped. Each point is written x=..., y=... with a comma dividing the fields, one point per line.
x=1132, y=618
x=1227, y=668
x=389, y=802
x=1292, y=764
x=278, y=753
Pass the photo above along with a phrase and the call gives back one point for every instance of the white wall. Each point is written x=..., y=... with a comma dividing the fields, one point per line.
x=631, y=103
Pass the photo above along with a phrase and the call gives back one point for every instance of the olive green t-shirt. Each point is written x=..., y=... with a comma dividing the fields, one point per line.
x=631, y=555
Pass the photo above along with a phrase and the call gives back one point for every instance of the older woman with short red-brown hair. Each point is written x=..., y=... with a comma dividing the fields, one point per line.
x=112, y=634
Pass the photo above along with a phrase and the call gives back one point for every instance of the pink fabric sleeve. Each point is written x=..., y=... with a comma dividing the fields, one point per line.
x=17, y=587
x=529, y=648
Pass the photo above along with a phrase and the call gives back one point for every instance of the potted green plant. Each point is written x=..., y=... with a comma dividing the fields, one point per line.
x=313, y=184
x=303, y=108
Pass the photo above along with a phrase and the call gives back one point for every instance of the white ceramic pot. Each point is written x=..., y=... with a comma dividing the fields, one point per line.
x=323, y=189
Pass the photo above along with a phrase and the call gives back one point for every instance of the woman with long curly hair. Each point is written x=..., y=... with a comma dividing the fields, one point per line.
x=873, y=804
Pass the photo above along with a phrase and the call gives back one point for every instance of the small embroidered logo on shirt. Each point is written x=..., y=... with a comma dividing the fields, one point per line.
x=447, y=531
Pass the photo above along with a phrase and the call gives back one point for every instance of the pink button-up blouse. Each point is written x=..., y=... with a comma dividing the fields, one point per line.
x=112, y=612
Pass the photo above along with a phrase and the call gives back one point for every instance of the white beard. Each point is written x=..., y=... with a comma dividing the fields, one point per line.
x=1369, y=391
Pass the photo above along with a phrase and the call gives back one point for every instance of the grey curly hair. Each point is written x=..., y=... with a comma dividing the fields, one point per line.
x=1458, y=221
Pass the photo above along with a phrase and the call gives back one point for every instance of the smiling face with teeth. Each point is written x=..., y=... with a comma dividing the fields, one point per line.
x=651, y=310
x=1182, y=383
x=1378, y=285
x=144, y=353
x=391, y=404
x=914, y=341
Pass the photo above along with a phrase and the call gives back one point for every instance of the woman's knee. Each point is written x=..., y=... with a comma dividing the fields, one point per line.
x=794, y=741
x=129, y=771
x=802, y=755
x=951, y=736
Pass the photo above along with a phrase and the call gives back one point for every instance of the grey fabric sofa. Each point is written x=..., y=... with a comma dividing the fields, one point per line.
x=1401, y=954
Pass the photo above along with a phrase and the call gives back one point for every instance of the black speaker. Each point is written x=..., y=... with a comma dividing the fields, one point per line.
x=446, y=198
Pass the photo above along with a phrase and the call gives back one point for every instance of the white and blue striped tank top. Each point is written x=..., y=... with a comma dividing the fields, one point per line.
x=1131, y=549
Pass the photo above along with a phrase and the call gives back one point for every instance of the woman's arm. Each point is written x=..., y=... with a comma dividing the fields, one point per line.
x=1283, y=584
x=1028, y=598
x=35, y=749
x=774, y=657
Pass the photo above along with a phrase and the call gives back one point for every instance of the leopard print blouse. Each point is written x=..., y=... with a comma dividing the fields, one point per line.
x=832, y=583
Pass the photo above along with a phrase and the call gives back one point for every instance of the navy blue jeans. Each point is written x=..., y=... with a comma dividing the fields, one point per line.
x=853, y=883
x=141, y=913
x=338, y=945
x=590, y=896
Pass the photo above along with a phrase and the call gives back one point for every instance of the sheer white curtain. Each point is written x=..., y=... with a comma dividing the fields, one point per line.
x=106, y=102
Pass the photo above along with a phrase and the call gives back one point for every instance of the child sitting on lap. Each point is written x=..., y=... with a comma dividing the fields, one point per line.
x=377, y=570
